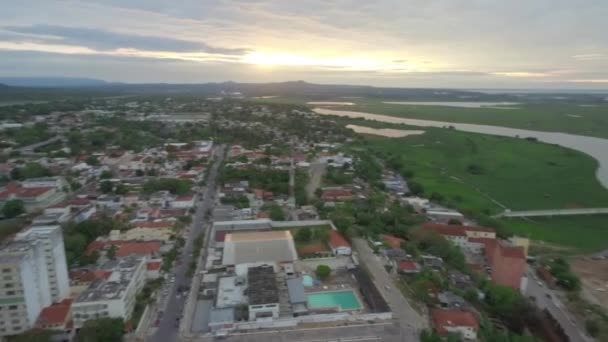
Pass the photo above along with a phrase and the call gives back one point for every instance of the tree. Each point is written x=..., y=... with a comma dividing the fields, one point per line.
x=13, y=208
x=592, y=327
x=323, y=271
x=276, y=213
x=303, y=235
x=106, y=187
x=34, y=335
x=415, y=188
x=101, y=330
x=106, y=174
x=93, y=161
x=111, y=254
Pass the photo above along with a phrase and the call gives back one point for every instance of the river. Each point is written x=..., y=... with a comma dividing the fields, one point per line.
x=595, y=147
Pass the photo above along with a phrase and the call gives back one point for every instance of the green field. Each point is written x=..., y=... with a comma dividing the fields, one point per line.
x=582, y=233
x=520, y=174
x=544, y=115
x=558, y=117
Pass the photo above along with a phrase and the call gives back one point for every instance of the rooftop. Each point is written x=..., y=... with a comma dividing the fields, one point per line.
x=444, y=319
x=270, y=246
x=115, y=285
x=263, y=287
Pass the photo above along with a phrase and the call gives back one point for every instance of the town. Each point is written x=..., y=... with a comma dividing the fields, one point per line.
x=193, y=219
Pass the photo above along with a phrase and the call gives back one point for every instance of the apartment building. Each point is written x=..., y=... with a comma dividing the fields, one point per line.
x=24, y=287
x=54, y=253
x=114, y=294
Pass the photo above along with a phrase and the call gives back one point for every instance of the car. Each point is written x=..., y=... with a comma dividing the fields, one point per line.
x=387, y=287
x=157, y=323
x=548, y=295
x=539, y=283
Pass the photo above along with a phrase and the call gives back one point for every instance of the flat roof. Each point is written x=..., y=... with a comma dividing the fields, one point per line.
x=271, y=246
x=231, y=292
x=115, y=286
x=263, y=287
x=295, y=287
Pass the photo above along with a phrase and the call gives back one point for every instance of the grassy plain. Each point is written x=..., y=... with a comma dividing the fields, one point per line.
x=581, y=233
x=554, y=116
x=519, y=174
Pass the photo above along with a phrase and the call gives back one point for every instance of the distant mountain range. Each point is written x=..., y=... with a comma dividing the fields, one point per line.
x=296, y=89
x=50, y=82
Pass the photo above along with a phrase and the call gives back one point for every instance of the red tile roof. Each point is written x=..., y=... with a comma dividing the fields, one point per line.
x=445, y=229
x=443, y=319
x=56, y=314
x=153, y=265
x=126, y=248
x=393, y=241
x=408, y=266
x=18, y=192
x=337, y=240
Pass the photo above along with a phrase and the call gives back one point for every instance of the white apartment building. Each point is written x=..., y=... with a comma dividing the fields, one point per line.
x=24, y=287
x=113, y=296
x=54, y=252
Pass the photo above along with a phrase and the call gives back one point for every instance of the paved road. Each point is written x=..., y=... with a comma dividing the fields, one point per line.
x=32, y=147
x=554, y=212
x=315, y=175
x=384, y=332
x=546, y=298
x=168, y=328
x=409, y=320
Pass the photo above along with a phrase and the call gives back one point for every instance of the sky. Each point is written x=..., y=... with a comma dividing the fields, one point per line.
x=399, y=43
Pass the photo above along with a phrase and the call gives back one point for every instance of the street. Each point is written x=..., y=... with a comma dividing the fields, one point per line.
x=546, y=298
x=169, y=324
x=409, y=320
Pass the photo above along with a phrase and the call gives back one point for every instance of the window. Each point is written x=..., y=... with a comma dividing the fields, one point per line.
x=10, y=293
x=15, y=321
x=13, y=307
x=8, y=278
x=9, y=285
x=6, y=270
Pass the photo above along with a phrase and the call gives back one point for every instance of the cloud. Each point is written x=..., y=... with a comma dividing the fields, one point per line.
x=589, y=57
x=102, y=40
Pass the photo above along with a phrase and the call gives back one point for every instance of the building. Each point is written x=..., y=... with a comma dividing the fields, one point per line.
x=263, y=293
x=507, y=263
x=408, y=267
x=297, y=296
x=183, y=202
x=126, y=248
x=461, y=323
x=24, y=286
x=336, y=194
x=58, y=318
x=113, y=296
x=54, y=252
x=33, y=197
x=259, y=247
x=338, y=244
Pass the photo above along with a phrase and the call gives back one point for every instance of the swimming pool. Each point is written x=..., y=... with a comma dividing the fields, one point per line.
x=345, y=300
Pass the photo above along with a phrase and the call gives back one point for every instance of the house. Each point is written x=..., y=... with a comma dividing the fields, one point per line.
x=126, y=248
x=153, y=268
x=33, y=197
x=338, y=244
x=183, y=202
x=336, y=194
x=463, y=323
x=57, y=317
x=449, y=300
x=408, y=267
x=392, y=241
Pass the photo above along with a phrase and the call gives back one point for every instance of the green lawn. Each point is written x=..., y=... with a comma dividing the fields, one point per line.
x=537, y=114
x=557, y=117
x=583, y=233
x=520, y=174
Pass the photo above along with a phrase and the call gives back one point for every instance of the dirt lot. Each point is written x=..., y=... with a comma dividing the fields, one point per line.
x=594, y=277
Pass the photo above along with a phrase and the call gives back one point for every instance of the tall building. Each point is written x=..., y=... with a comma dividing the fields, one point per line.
x=54, y=252
x=24, y=285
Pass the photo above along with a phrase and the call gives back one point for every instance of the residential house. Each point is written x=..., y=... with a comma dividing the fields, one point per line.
x=463, y=323
x=339, y=245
